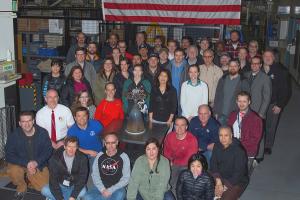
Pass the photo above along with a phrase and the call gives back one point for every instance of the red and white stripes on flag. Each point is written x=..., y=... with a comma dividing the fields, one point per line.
x=173, y=11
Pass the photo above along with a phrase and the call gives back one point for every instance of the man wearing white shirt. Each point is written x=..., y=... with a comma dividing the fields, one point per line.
x=55, y=118
x=247, y=126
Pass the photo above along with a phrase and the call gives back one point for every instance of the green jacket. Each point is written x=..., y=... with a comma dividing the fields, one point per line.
x=150, y=185
x=99, y=86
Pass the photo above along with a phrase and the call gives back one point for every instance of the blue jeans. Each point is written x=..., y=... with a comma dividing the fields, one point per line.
x=94, y=194
x=168, y=196
x=66, y=191
x=91, y=162
x=207, y=155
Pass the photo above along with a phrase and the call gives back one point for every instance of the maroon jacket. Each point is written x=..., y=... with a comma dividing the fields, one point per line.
x=251, y=130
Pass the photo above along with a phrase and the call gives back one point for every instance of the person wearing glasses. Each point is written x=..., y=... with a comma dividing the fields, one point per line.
x=111, y=171
x=210, y=74
x=150, y=175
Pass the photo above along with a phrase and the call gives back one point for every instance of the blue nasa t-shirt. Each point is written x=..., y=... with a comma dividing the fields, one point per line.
x=89, y=138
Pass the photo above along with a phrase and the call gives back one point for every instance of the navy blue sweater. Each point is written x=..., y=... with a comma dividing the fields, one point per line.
x=205, y=135
x=16, y=149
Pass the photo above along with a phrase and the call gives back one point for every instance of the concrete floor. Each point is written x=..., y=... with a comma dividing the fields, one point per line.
x=278, y=176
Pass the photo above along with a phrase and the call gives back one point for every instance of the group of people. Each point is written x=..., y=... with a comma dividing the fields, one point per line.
x=223, y=103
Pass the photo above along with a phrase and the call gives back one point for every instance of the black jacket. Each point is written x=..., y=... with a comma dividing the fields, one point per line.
x=68, y=93
x=281, y=88
x=16, y=148
x=243, y=85
x=119, y=81
x=58, y=173
x=51, y=82
x=162, y=105
x=106, y=51
x=230, y=164
x=189, y=188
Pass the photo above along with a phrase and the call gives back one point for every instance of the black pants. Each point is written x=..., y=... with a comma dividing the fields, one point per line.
x=271, y=126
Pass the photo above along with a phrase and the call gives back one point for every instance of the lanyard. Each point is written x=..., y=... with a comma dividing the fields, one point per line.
x=239, y=124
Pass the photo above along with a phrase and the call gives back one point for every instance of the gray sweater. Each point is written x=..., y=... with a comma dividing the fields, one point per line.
x=88, y=70
x=98, y=182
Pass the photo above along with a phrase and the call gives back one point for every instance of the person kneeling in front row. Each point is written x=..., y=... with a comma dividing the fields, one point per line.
x=68, y=169
x=27, y=151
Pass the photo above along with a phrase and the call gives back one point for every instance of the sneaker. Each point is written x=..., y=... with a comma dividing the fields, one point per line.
x=19, y=195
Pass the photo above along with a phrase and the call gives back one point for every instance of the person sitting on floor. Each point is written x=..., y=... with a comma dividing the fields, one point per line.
x=228, y=166
x=150, y=175
x=195, y=182
x=27, y=150
x=68, y=169
x=111, y=171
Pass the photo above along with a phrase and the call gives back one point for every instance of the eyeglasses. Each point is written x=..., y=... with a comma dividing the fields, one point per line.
x=109, y=143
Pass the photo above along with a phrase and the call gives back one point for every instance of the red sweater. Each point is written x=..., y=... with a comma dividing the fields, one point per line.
x=251, y=131
x=179, y=151
x=107, y=111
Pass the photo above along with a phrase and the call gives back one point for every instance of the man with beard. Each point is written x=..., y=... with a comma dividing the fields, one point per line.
x=93, y=57
x=228, y=88
x=233, y=45
x=81, y=42
x=280, y=96
x=110, y=45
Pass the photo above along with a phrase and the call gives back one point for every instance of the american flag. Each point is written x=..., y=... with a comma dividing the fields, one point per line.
x=173, y=11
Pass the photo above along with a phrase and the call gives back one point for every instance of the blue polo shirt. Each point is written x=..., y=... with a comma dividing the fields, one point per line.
x=205, y=134
x=89, y=138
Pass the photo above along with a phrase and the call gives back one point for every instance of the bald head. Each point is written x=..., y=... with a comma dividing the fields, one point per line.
x=225, y=136
x=51, y=98
x=204, y=114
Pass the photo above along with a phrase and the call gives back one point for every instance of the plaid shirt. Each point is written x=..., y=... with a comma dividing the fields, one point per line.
x=234, y=52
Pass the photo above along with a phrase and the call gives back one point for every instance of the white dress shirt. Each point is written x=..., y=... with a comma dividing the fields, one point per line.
x=63, y=120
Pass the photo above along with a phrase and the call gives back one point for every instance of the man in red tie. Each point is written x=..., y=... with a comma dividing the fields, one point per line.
x=247, y=126
x=55, y=118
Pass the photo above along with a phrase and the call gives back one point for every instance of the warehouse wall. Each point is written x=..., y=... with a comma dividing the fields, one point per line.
x=7, y=29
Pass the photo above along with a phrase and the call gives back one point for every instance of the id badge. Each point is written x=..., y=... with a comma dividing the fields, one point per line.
x=66, y=183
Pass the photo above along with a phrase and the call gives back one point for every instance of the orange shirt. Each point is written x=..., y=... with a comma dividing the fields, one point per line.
x=107, y=111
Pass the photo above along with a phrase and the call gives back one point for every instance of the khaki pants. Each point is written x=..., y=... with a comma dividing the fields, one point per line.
x=17, y=175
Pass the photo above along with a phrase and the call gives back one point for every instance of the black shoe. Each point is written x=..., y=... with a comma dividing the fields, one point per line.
x=268, y=151
x=259, y=160
x=19, y=195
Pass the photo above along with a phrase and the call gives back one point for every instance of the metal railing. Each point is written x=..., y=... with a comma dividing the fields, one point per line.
x=7, y=125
